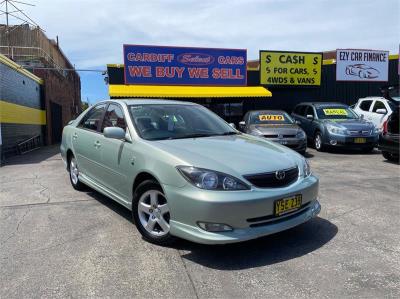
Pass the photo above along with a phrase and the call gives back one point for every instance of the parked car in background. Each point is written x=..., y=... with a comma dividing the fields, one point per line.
x=374, y=109
x=336, y=125
x=184, y=172
x=277, y=126
x=389, y=138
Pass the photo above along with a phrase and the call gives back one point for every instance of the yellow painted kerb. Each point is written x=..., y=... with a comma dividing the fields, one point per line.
x=18, y=114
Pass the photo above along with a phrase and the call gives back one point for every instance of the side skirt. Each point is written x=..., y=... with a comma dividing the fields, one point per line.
x=88, y=181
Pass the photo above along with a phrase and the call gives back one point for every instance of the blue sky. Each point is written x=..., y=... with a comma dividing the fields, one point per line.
x=92, y=32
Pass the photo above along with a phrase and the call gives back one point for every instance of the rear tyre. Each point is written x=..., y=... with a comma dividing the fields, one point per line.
x=74, y=174
x=151, y=213
x=390, y=156
x=318, y=142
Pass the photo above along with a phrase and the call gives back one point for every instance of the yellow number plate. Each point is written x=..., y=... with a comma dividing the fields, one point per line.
x=360, y=140
x=286, y=205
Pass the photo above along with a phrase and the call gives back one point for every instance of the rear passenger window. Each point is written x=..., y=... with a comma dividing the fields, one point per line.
x=365, y=105
x=92, y=119
x=378, y=105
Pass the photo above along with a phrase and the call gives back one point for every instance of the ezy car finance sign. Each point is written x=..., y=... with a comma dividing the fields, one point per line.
x=362, y=65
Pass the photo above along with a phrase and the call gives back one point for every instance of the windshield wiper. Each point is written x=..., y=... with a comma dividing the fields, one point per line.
x=227, y=133
x=196, y=135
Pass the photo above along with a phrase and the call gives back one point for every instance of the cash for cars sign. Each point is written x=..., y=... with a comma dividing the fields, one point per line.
x=290, y=68
x=362, y=65
x=157, y=65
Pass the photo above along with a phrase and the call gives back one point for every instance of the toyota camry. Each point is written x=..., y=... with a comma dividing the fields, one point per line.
x=184, y=172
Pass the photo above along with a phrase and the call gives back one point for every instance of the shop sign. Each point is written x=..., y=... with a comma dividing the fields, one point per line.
x=362, y=65
x=290, y=68
x=159, y=65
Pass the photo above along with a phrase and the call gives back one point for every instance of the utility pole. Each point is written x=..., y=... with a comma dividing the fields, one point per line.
x=7, y=29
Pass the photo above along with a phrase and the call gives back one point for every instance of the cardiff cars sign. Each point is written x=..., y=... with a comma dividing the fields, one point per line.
x=362, y=65
x=159, y=65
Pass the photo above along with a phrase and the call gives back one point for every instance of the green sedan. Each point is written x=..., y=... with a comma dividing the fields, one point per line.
x=184, y=172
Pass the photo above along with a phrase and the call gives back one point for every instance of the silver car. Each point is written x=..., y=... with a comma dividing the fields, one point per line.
x=275, y=125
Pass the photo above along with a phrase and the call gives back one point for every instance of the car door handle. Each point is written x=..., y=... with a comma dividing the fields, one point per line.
x=97, y=144
x=75, y=136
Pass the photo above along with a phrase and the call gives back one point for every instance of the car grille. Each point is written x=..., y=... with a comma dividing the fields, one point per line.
x=359, y=132
x=289, y=136
x=270, y=180
x=271, y=136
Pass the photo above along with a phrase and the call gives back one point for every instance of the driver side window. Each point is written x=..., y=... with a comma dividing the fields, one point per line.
x=114, y=117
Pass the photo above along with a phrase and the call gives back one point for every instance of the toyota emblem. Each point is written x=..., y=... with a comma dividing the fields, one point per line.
x=280, y=174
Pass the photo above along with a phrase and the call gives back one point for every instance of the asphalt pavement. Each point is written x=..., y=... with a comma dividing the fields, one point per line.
x=57, y=242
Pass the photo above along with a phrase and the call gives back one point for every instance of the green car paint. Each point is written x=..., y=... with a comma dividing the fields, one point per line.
x=113, y=166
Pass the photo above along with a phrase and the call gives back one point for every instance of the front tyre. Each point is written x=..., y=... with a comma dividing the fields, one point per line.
x=74, y=174
x=319, y=146
x=151, y=213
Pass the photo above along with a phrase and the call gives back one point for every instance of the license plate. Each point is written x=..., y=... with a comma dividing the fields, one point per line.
x=286, y=205
x=360, y=140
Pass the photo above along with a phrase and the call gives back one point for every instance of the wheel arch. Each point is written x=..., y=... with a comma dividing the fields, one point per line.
x=144, y=176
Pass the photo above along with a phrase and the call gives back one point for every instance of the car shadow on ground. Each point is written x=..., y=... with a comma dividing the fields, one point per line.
x=269, y=250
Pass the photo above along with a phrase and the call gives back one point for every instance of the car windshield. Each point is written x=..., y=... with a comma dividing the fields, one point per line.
x=159, y=122
x=270, y=117
x=336, y=112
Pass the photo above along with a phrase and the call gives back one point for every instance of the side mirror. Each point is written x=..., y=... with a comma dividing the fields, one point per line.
x=381, y=111
x=114, y=133
x=232, y=125
x=242, y=125
x=310, y=116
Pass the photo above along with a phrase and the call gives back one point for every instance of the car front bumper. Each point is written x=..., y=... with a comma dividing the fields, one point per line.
x=250, y=213
x=349, y=141
x=296, y=144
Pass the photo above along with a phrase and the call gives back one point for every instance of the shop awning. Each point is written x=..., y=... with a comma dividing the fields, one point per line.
x=157, y=91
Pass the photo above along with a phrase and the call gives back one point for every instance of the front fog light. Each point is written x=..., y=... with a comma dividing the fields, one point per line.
x=214, y=227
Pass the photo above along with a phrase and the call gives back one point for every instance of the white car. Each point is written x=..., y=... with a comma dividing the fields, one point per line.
x=373, y=109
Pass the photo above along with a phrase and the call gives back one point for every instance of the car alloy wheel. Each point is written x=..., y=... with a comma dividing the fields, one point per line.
x=151, y=213
x=154, y=213
x=318, y=142
x=74, y=174
x=73, y=171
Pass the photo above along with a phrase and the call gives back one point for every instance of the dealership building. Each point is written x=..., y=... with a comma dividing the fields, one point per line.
x=37, y=96
x=232, y=101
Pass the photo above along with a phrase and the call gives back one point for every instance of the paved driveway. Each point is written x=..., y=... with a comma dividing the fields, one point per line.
x=57, y=242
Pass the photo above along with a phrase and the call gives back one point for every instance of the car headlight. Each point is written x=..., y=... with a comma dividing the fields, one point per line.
x=300, y=134
x=210, y=179
x=336, y=130
x=306, y=168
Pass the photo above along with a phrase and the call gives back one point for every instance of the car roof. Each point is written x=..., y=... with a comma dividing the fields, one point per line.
x=323, y=104
x=373, y=98
x=154, y=101
x=267, y=111
x=137, y=101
